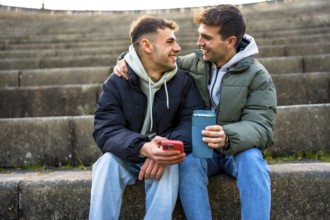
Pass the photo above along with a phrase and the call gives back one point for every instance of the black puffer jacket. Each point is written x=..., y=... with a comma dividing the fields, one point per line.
x=121, y=112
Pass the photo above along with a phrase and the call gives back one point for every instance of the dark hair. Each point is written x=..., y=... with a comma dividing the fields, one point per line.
x=149, y=25
x=228, y=18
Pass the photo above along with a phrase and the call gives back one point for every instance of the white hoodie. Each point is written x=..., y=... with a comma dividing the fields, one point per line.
x=148, y=87
x=217, y=74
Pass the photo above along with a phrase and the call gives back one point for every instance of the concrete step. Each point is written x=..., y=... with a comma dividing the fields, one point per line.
x=289, y=32
x=62, y=92
x=264, y=50
x=61, y=141
x=62, y=100
x=56, y=62
x=113, y=46
x=292, y=64
x=54, y=76
x=293, y=50
x=34, y=53
x=297, y=64
x=302, y=88
x=298, y=192
x=283, y=16
x=187, y=33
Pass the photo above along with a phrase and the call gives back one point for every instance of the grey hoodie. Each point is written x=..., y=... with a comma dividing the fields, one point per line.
x=148, y=87
x=217, y=74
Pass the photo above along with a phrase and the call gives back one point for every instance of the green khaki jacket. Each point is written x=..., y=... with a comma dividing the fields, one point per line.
x=247, y=108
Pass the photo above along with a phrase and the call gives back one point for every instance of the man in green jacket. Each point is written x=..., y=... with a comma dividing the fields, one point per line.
x=234, y=84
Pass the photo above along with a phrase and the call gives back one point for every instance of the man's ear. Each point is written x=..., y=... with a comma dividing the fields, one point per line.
x=231, y=42
x=146, y=45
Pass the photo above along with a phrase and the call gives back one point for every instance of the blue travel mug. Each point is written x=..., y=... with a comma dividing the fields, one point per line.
x=200, y=120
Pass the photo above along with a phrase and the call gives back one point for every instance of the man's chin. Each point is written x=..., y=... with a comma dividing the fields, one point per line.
x=205, y=58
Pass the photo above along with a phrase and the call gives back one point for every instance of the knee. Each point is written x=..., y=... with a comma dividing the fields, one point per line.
x=252, y=155
x=251, y=158
x=106, y=161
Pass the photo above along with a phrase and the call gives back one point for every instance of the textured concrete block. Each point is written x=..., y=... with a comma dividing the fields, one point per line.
x=86, y=151
x=9, y=197
x=300, y=191
x=9, y=78
x=66, y=100
x=302, y=88
x=63, y=76
x=18, y=64
x=283, y=64
x=35, y=141
x=81, y=61
x=301, y=128
x=61, y=195
x=317, y=63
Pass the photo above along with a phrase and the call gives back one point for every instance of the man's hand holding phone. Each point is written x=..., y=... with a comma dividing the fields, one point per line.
x=158, y=158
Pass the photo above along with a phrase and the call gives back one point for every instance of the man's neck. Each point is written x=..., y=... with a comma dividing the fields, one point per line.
x=226, y=59
x=154, y=75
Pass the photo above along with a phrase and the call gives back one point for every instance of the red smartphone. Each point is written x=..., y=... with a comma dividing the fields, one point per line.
x=172, y=145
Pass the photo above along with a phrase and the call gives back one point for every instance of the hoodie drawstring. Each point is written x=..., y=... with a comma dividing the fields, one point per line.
x=151, y=102
x=150, y=105
x=166, y=91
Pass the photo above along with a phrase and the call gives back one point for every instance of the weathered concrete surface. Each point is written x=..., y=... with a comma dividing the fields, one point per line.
x=64, y=76
x=63, y=100
x=85, y=149
x=299, y=191
x=9, y=78
x=302, y=88
x=56, y=62
x=9, y=196
x=302, y=128
x=36, y=141
x=54, y=76
x=287, y=50
x=69, y=97
x=276, y=65
x=30, y=141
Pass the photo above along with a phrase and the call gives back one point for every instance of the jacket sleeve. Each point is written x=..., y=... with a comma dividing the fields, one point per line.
x=255, y=129
x=110, y=132
x=191, y=101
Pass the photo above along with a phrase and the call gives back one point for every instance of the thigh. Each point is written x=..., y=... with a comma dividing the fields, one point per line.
x=109, y=163
x=245, y=161
x=215, y=164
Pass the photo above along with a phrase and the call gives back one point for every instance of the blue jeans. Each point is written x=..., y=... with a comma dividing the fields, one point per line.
x=253, y=182
x=111, y=175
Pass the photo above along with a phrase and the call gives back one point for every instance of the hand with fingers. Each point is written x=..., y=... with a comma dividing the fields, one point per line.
x=120, y=69
x=215, y=137
x=157, y=159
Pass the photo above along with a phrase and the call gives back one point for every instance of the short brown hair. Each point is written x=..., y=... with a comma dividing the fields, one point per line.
x=149, y=25
x=227, y=17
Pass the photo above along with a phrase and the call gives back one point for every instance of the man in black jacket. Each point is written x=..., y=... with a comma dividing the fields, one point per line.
x=134, y=116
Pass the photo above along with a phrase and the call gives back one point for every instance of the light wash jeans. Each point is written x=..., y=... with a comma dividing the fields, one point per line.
x=253, y=182
x=111, y=175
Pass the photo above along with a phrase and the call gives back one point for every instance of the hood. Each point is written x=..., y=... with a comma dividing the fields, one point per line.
x=148, y=87
x=248, y=49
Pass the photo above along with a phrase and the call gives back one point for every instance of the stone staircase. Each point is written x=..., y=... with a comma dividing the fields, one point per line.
x=52, y=65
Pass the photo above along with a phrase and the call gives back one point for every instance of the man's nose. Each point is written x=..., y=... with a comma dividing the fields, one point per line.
x=176, y=47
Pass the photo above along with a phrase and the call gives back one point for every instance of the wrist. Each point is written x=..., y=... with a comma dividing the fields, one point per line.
x=227, y=143
x=142, y=153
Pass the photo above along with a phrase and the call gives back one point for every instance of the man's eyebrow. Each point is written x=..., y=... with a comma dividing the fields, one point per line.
x=171, y=39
